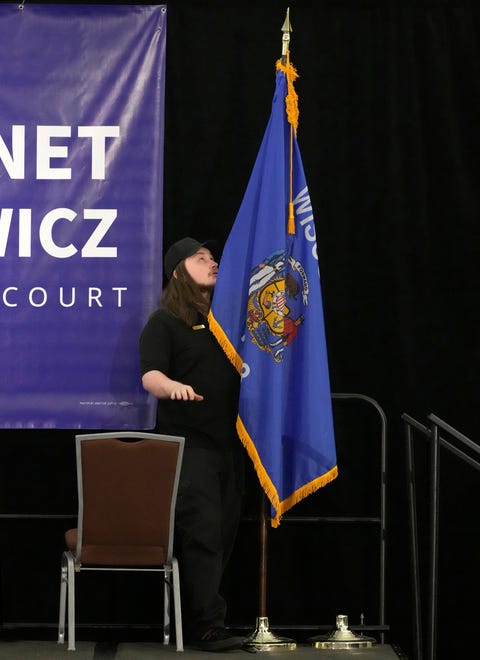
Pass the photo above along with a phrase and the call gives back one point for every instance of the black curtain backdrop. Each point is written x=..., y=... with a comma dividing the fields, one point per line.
x=389, y=134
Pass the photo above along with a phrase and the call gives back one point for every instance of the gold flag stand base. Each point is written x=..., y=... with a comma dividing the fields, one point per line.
x=342, y=637
x=262, y=639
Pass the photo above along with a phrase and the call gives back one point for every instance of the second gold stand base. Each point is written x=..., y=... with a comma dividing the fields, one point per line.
x=262, y=639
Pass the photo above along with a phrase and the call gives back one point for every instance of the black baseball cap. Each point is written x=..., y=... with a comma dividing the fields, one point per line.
x=179, y=251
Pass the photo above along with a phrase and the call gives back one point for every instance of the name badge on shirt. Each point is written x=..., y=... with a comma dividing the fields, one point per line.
x=198, y=327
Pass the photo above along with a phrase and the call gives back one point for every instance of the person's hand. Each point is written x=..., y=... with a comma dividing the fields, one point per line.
x=181, y=392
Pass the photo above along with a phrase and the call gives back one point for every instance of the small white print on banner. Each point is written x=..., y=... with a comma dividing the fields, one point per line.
x=106, y=403
x=39, y=296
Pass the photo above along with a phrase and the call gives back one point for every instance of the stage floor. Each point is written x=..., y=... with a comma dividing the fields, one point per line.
x=45, y=650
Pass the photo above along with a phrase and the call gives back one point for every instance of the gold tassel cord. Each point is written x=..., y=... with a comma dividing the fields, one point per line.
x=291, y=108
x=291, y=212
x=291, y=100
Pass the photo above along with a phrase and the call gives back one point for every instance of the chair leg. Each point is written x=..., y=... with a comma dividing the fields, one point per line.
x=166, y=604
x=177, y=604
x=71, y=601
x=63, y=599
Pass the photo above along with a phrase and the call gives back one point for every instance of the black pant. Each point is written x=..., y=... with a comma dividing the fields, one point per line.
x=209, y=506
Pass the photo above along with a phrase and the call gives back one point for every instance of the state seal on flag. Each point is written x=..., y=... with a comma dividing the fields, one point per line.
x=275, y=308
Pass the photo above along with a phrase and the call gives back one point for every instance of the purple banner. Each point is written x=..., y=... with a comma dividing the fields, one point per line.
x=81, y=184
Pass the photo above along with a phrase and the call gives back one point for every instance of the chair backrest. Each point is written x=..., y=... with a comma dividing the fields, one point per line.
x=127, y=489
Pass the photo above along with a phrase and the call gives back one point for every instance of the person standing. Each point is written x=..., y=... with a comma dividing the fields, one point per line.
x=197, y=389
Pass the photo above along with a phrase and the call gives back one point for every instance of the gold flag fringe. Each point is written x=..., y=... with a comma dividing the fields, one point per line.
x=225, y=343
x=266, y=483
x=308, y=489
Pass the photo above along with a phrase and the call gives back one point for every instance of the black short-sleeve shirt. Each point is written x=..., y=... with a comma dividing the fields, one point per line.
x=194, y=357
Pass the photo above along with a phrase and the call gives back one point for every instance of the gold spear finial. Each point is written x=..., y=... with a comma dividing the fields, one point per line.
x=286, y=29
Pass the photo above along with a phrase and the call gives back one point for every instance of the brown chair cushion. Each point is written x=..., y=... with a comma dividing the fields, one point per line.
x=117, y=555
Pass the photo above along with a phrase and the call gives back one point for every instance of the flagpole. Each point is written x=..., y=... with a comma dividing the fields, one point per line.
x=262, y=599
x=262, y=638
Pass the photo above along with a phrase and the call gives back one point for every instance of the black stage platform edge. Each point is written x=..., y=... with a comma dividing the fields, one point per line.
x=49, y=650
x=143, y=642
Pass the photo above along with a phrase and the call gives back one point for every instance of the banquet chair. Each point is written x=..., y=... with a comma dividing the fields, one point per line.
x=127, y=488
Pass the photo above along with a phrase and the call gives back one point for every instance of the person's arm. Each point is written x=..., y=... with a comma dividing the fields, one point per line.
x=163, y=387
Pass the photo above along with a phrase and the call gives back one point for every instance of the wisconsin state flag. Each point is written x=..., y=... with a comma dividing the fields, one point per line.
x=267, y=314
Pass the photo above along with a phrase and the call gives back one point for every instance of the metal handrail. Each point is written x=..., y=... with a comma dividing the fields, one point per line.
x=381, y=520
x=383, y=495
x=445, y=443
x=436, y=441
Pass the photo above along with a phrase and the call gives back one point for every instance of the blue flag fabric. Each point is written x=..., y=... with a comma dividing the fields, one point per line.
x=267, y=314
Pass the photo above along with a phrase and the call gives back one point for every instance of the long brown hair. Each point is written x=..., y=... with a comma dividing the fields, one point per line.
x=184, y=298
